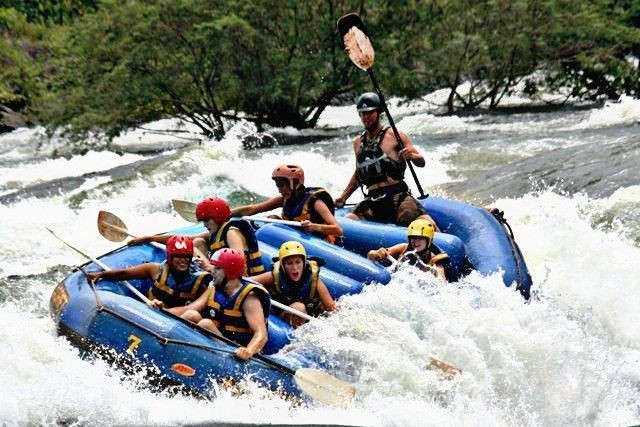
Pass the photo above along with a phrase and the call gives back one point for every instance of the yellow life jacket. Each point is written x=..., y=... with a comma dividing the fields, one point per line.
x=252, y=254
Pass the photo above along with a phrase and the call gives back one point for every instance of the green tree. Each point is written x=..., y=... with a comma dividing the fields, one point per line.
x=22, y=59
x=26, y=29
x=590, y=52
x=206, y=61
x=102, y=67
x=492, y=45
x=50, y=11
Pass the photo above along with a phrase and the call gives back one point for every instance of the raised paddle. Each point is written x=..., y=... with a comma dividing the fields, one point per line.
x=319, y=385
x=114, y=229
x=354, y=37
x=187, y=211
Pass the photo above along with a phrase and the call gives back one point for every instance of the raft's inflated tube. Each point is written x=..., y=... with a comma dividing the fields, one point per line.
x=488, y=246
x=338, y=284
x=479, y=240
x=362, y=236
x=109, y=320
x=338, y=259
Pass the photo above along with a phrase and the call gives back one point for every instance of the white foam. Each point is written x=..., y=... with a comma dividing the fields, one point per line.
x=625, y=111
x=586, y=268
x=50, y=169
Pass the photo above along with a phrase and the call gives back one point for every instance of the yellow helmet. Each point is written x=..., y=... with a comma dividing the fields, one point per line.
x=292, y=248
x=421, y=228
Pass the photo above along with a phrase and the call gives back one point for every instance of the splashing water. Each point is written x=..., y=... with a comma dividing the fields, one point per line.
x=570, y=356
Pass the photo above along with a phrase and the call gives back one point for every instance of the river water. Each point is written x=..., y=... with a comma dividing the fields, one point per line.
x=567, y=180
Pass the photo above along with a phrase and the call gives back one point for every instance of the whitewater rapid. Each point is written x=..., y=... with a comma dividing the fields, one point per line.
x=570, y=356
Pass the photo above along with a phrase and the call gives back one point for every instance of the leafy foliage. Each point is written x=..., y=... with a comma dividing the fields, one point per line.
x=50, y=11
x=494, y=45
x=22, y=59
x=204, y=61
x=101, y=67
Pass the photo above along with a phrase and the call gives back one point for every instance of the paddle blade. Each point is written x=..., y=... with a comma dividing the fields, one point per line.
x=449, y=369
x=111, y=227
x=355, y=40
x=324, y=387
x=347, y=21
x=186, y=209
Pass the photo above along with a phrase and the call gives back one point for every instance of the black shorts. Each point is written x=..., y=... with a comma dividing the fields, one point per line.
x=392, y=204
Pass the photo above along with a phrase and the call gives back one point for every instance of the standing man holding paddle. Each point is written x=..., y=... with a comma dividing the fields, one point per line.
x=380, y=166
x=381, y=156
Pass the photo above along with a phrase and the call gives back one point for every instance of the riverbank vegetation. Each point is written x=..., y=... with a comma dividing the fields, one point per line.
x=104, y=66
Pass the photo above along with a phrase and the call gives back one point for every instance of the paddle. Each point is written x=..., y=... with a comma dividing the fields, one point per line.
x=354, y=38
x=282, y=306
x=99, y=264
x=319, y=385
x=114, y=229
x=187, y=211
x=274, y=220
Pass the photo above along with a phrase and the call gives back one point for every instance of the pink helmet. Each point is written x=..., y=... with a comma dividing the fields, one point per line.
x=213, y=208
x=179, y=245
x=293, y=173
x=231, y=261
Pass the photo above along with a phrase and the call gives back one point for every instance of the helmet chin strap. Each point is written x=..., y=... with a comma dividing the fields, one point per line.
x=424, y=251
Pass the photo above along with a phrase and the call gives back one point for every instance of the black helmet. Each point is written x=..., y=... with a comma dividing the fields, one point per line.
x=368, y=102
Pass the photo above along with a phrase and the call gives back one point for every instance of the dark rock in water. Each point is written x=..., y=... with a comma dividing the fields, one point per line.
x=344, y=99
x=68, y=184
x=155, y=147
x=10, y=120
x=258, y=140
x=301, y=139
x=596, y=168
x=267, y=140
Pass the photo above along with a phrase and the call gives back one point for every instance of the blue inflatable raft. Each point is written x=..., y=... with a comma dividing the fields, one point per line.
x=473, y=238
x=108, y=318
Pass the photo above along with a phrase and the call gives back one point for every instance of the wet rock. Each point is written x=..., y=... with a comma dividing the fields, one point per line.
x=10, y=120
x=71, y=183
x=258, y=140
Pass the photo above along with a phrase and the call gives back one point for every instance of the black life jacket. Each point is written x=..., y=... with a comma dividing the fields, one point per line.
x=372, y=165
